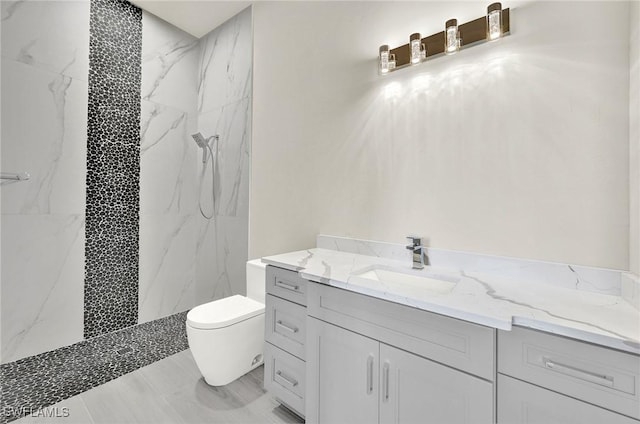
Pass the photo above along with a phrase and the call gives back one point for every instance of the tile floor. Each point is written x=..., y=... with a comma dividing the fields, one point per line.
x=48, y=378
x=169, y=391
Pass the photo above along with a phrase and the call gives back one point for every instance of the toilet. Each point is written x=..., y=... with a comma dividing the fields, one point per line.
x=226, y=336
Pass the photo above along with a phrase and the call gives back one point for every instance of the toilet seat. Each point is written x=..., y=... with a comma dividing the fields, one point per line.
x=224, y=312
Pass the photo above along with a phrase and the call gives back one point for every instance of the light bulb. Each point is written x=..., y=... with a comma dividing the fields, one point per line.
x=392, y=62
x=451, y=38
x=417, y=52
x=494, y=21
x=383, y=59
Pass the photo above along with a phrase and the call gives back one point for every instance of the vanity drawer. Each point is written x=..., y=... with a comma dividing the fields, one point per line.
x=284, y=377
x=286, y=325
x=595, y=374
x=524, y=403
x=286, y=284
x=463, y=345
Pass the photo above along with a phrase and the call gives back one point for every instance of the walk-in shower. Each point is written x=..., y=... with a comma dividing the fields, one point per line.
x=205, y=144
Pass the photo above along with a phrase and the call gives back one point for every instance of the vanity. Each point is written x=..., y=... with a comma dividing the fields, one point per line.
x=348, y=343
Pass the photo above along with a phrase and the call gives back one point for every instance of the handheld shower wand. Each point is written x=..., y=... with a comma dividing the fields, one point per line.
x=204, y=144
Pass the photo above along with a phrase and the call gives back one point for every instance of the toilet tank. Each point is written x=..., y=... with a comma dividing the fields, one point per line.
x=256, y=280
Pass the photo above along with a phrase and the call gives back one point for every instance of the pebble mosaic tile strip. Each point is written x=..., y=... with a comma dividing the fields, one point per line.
x=42, y=380
x=113, y=167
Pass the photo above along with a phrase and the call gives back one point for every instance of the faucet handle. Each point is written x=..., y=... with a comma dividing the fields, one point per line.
x=415, y=241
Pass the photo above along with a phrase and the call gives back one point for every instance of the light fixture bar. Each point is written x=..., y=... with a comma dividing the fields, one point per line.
x=472, y=33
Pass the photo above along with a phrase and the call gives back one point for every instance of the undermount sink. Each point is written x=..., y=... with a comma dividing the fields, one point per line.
x=403, y=282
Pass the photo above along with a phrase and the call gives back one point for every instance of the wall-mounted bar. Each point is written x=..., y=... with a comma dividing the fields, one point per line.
x=15, y=176
x=470, y=33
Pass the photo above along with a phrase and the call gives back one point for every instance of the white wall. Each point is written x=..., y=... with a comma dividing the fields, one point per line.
x=634, y=136
x=517, y=148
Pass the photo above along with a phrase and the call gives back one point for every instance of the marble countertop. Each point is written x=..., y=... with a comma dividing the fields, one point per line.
x=481, y=298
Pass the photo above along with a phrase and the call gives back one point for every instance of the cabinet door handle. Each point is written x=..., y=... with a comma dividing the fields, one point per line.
x=385, y=382
x=294, y=330
x=601, y=379
x=287, y=286
x=288, y=380
x=370, y=374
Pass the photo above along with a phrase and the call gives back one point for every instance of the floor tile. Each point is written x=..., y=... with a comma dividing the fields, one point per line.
x=69, y=411
x=128, y=399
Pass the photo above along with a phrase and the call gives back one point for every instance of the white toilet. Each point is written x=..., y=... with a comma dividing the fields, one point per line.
x=226, y=336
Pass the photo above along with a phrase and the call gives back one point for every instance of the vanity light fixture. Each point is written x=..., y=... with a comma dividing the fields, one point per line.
x=493, y=25
x=417, y=50
x=386, y=60
x=494, y=21
x=452, y=39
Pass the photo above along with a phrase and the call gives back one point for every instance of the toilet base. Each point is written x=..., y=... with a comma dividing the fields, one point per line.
x=215, y=383
x=225, y=354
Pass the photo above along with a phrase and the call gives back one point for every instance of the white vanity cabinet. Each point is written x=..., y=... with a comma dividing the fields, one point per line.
x=337, y=356
x=417, y=390
x=372, y=361
x=345, y=365
x=544, y=378
x=285, y=335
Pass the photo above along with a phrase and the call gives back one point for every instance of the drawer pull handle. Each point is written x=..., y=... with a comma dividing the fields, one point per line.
x=385, y=382
x=287, y=286
x=370, y=374
x=603, y=380
x=293, y=330
x=288, y=380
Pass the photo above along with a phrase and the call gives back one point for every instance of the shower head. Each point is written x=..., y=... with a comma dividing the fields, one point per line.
x=199, y=138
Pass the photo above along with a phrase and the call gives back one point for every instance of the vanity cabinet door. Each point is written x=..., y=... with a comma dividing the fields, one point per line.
x=342, y=373
x=523, y=403
x=417, y=390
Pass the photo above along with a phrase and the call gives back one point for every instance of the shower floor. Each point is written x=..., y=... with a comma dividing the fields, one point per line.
x=169, y=391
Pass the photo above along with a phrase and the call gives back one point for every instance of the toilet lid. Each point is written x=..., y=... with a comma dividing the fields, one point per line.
x=224, y=312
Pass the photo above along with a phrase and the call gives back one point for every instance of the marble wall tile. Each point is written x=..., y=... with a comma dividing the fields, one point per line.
x=170, y=165
x=51, y=35
x=222, y=251
x=170, y=64
x=167, y=265
x=169, y=161
x=233, y=123
x=45, y=66
x=44, y=132
x=209, y=285
x=226, y=63
x=41, y=283
x=224, y=107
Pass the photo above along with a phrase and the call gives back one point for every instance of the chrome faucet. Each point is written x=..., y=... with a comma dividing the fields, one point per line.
x=418, y=251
